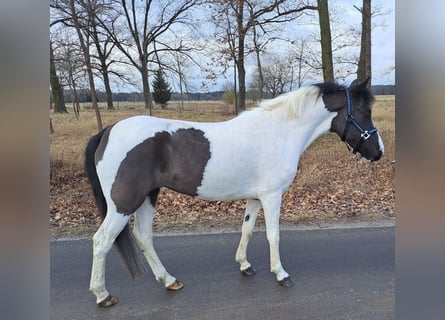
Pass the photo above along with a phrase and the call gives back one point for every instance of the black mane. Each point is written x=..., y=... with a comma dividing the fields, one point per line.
x=361, y=91
x=329, y=87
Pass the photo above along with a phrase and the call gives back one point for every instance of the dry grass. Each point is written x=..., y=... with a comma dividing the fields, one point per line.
x=329, y=184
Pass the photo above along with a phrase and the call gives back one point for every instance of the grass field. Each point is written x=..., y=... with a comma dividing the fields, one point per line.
x=329, y=184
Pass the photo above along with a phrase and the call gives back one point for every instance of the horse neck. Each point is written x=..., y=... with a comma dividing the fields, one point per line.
x=313, y=123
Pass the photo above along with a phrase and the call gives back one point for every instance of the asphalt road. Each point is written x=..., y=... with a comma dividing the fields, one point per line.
x=338, y=274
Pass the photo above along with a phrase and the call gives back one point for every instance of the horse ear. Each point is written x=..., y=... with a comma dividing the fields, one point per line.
x=357, y=85
x=354, y=83
x=334, y=101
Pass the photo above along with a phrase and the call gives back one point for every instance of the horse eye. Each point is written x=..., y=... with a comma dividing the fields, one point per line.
x=367, y=114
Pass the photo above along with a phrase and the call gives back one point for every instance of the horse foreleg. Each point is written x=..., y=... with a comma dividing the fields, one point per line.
x=250, y=215
x=103, y=240
x=143, y=225
x=271, y=205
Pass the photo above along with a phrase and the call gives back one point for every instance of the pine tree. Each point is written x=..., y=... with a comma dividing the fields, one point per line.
x=161, y=89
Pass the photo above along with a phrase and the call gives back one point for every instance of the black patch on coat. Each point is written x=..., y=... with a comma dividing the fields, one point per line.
x=176, y=161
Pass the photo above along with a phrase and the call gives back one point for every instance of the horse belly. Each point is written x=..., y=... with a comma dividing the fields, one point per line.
x=239, y=166
x=226, y=183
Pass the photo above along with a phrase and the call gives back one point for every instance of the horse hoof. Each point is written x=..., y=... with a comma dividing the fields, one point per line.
x=108, y=302
x=286, y=282
x=248, y=272
x=175, y=286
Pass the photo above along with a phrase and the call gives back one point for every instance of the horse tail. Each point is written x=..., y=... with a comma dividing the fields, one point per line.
x=90, y=168
x=124, y=242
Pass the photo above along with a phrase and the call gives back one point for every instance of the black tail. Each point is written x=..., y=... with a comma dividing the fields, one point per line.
x=124, y=242
x=90, y=168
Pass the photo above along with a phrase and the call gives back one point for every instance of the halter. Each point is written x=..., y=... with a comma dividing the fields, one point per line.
x=364, y=134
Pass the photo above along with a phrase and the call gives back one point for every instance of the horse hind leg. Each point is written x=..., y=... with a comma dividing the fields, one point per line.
x=143, y=226
x=250, y=215
x=103, y=240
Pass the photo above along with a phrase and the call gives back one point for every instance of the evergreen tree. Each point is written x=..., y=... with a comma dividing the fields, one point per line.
x=161, y=89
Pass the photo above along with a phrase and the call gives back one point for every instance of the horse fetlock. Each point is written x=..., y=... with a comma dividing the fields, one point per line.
x=244, y=265
x=166, y=279
x=279, y=271
x=101, y=294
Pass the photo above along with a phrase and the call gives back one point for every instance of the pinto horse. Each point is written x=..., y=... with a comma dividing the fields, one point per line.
x=253, y=156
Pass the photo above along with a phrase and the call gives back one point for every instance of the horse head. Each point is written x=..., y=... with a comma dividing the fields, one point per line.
x=353, y=122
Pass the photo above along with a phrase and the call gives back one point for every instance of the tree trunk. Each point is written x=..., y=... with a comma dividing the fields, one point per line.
x=235, y=93
x=258, y=59
x=108, y=92
x=181, y=106
x=102, y=58
x=241, y=87
x=364, y=64
x=148, y=102
x=56, y=88
x=240, y=59
x=73, y=88
x=326, y=44
x=76, y=104
x=51, y=128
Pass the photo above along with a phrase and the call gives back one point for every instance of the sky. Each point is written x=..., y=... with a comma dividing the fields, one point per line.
x=383, y=42
x=383, y=50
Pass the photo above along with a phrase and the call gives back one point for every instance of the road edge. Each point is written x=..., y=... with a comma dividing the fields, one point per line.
x=284, y=226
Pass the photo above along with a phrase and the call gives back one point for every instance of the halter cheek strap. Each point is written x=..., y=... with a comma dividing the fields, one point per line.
x=364, y=134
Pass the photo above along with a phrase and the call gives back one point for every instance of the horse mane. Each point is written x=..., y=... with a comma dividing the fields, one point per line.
x=331, y=87
x=290, y=105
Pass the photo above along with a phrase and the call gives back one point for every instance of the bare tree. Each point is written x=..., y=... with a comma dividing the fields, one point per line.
x=261, y=38
x=75, y=10
x=300, y=68
x=56, y=88
x=241, y=16
x=69, y=61
x=140, y=30
x=102, y=42
x=179, y=66
x=344, y=47
x=277, y=77
x=84, y=44
x=91, y=13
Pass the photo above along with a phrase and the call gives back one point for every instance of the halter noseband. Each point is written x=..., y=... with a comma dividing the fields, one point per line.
x=364, y=134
